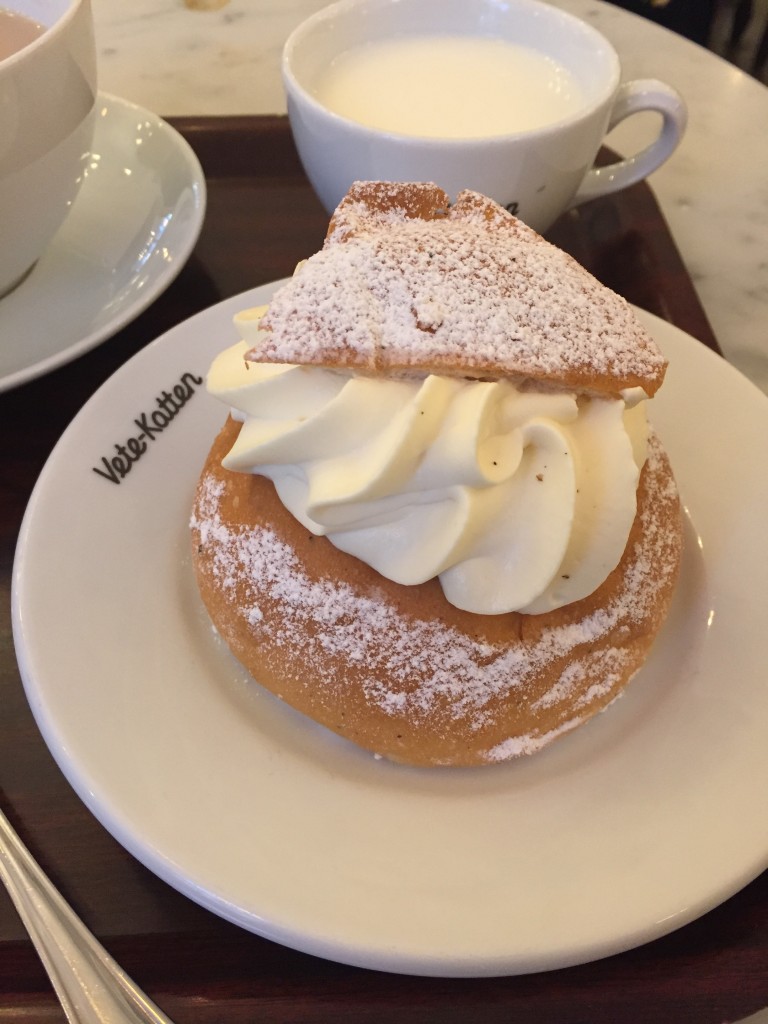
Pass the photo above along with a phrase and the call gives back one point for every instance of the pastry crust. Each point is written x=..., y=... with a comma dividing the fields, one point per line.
x=388, y=294
x=400, y=671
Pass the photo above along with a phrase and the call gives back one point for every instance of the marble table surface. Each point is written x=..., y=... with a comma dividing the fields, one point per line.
x=713, y=192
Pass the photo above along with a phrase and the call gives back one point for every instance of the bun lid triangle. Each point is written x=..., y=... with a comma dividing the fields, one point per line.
x=407, y=283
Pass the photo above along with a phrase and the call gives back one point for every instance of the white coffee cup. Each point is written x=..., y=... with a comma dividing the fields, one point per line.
x=537, y=173
x=47, y=115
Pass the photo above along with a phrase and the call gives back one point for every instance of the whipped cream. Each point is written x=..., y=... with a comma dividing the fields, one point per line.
x=517, y=500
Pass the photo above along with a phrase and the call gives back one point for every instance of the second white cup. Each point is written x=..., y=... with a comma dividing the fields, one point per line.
x=341, y=64
x=47, y=117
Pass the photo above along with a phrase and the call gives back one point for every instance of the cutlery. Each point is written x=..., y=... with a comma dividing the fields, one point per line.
x=91, y=986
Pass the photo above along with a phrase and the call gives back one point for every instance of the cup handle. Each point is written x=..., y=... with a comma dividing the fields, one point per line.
x=633, y=97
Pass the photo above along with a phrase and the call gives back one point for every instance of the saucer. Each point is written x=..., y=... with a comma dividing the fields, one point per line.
x=629, y=827
x=130, y=231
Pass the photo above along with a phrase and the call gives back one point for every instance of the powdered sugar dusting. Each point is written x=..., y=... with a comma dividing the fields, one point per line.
x=473, y=291
x=426, y=669
x=516, y=746
x=607, y=665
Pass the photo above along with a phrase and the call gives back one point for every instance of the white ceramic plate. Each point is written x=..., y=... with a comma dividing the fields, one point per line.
x=129, y=232
x=628, y=828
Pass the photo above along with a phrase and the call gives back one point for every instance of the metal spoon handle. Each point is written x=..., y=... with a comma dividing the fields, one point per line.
x=91, y=987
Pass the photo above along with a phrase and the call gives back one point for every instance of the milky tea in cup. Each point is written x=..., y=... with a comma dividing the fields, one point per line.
x=16, y=32
x=47, y=117
x=512, y=98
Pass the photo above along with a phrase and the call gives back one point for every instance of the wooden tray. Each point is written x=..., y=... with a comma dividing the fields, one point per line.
x=262, y=218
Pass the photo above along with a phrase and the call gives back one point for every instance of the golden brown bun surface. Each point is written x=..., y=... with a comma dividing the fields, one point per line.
x=397, y=669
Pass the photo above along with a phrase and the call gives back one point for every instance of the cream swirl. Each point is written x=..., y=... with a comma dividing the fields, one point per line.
x=517, y=500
